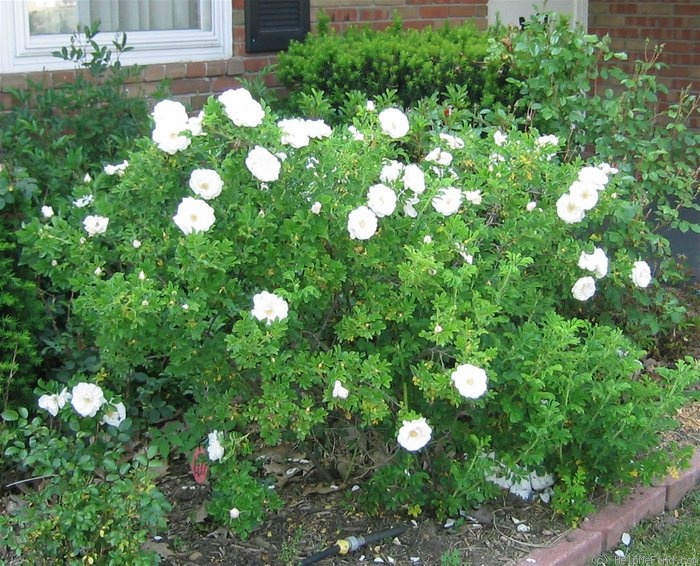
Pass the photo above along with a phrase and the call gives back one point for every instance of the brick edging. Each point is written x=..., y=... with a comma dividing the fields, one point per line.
x=602, y=531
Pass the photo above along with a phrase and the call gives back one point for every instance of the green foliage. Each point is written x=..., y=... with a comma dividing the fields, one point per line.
x=389, y=316
x=411, y=63
x=238, y=489
x=93, y=505
x=21, y=319
x=59, y=132
x=572, y=85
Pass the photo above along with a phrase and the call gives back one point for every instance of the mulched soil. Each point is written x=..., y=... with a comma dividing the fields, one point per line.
x=310, y=522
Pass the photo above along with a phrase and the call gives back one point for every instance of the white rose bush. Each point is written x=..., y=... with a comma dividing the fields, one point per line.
x=394, y=294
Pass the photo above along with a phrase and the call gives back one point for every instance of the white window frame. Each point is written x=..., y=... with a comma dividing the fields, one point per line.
x=505, y=9
x=21, y=52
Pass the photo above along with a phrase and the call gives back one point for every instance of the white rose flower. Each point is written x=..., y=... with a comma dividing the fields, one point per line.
x=499, y=138
x=215, y=450
x=241, y=108
x=409, y=207
x=269, y=307
x=439, y=156
x=473, y=197
x=339, y=391
x=87, y=398
x=390, y=171
x=415, y=434
x=370, y=106
x=169, y=111
x=115, y=416
x=234, y=513
x=447, y=201
x=594, y=176
x=584, y=288
x=263, y=165
x=357, y=135
x=569, y=210
x=317, y=129
x=194, y=124
x=394, y=123
x=169, y=137
x=453, y=142
x=136, y=244
x=82, y=202
x=583, y=194
x=117, y=169
x=52, y=403
x=543, y=141
x=294, y=132
x=597, y=262
x=641, y=274
x=414, y=178
x=95, y=225
x=362, y=223
x=381, y=200
x=470, y=381
x=206, y=183
x=194, y=215
x=531, y=206
x=87, y=178
x=608, y=169
x=47, y=211
x=428, y=239
x=316, y=208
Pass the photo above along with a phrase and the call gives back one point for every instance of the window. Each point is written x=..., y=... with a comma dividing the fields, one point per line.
x=509, y=12
x=160, y=31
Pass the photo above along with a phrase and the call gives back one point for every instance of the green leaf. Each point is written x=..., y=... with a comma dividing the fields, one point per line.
x=9, y=415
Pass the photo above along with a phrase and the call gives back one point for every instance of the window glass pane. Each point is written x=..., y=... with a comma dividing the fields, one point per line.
x=52, y=16
x=63, y=16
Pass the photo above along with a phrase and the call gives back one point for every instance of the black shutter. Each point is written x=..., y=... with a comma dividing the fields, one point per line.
x=271, y=24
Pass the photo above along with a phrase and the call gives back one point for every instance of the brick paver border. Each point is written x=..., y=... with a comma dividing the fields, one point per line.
x=602, y=531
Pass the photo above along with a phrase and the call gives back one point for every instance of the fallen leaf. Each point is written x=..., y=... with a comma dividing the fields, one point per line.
x=201, y=514
x=161, y=548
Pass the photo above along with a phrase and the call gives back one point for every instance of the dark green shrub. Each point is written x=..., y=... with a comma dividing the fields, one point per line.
x=20, y=320
x=413, y=63
x=58, y=133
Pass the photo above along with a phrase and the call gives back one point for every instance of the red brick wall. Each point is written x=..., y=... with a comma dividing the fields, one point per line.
x=193, y=83
x=676, y=23
x=673, y=23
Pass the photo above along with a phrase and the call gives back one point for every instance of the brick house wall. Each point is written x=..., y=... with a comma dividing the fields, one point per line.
x=673, y=23
x=676, y=23
x=193, y=83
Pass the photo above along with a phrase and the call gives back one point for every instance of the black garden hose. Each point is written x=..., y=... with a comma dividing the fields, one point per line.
x=351, y=544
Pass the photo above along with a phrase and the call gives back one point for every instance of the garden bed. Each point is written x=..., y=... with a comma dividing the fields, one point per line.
x=314, y=517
